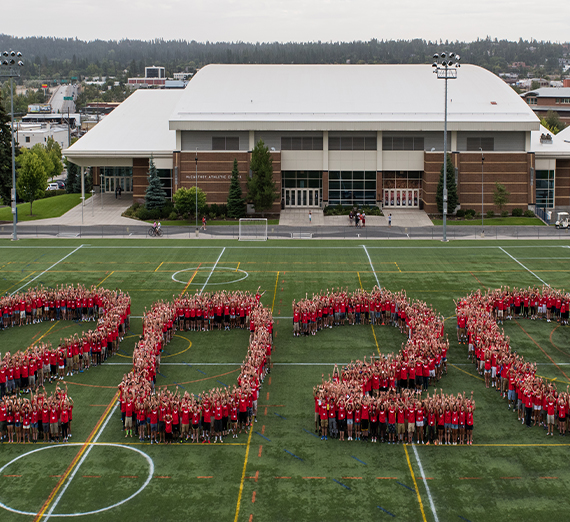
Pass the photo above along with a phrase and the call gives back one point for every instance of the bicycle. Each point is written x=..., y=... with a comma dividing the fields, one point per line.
x=152, y=232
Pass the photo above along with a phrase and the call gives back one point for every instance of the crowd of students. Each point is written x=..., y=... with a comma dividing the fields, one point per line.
x=535, y=400
x=161, y=415
x=381, y=399
x=39, y=416
x=25, y=372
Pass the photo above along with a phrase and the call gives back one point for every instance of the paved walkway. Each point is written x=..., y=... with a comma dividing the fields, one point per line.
x=97, y=211
x=406, y=218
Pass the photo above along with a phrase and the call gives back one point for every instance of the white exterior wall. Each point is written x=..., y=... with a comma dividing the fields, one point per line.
x=352, y=160
x=402, y=160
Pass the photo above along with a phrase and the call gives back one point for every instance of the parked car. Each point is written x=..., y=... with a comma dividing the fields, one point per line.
x=60, y=184
x=53, y=186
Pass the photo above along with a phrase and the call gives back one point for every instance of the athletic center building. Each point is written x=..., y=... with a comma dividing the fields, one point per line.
x=338, y=134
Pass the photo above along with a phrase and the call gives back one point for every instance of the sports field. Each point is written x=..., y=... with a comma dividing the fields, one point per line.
x=280, y=470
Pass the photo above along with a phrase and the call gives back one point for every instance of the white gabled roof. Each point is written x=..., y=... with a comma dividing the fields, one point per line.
x=556, y=147
x=136, y=128
x=347, y=97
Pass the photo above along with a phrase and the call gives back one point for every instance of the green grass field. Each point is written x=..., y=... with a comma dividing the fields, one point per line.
x=494, y=221
x=45, y=208
x=281, y=470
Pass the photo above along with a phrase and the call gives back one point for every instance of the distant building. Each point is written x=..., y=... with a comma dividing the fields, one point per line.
x=546, y=99
x=28, y=135
x=154, y=72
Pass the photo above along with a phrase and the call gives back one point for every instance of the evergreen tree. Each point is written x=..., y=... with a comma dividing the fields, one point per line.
x=73, y=179
x=261, y=189
x=5, y=156
x=155, y=196
x=236, y=202
x=452, y=199
x=32, y=178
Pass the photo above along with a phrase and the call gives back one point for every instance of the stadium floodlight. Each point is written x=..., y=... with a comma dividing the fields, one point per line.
x=446, y=69
x=10, y=65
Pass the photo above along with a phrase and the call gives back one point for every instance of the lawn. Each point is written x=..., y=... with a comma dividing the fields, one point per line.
x=52, y=207
x=495, y=221
x=281, y=470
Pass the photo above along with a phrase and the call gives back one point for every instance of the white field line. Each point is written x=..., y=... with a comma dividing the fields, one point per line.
x=371, y=266
x=425, y=483
x=55, y=264
x=529, y=271
x=101, y=429
x=213, y=268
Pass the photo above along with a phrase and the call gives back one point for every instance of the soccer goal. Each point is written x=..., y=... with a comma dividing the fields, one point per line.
x=253, y=229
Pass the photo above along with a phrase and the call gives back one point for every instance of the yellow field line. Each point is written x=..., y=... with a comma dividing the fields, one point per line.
x=38, y=340
x=23, y=278
x=397, y=267
x=415, y=484
x=191, y=279
x=76, y=459
x=159, y=266
x=275, y=292
x=243, y=474
x=105, y=279
x=470, y=374
x=238, y=266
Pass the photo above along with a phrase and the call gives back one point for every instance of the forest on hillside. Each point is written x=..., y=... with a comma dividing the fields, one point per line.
x=48, y=58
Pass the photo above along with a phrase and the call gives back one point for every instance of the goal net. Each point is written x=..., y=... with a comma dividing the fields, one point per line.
x=253, y=229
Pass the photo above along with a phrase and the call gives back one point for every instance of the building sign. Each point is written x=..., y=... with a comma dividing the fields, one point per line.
x=212, y=177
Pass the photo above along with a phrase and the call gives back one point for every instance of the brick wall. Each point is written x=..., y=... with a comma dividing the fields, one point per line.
x=562, y=183
x=509, y=169
x=140, y=181
x=215, y=173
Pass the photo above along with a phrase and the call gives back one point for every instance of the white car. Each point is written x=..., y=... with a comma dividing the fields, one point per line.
x=53, y=186
x=562, y=221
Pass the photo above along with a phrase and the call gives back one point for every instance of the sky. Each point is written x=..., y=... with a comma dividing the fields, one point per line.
x=292, y=20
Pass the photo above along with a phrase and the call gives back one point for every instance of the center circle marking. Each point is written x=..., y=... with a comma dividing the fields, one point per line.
x=117, y=504
x=196, y=268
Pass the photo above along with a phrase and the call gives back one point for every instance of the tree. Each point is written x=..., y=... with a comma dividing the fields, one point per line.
x=32, y=178
x=236, y=202
x=552, y=122
x=500, y=195
x=185, y=200
x=5, y=156
x=46, y=159
x=54, y=152
x=261, y=189
x=154, y=196
x=452, y=199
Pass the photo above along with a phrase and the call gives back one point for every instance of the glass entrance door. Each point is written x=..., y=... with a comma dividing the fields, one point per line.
x=301, y=197
x=111, y=183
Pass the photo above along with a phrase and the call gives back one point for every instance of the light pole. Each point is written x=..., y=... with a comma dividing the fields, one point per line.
x=196, y=190
x=11, y=59
x=446, y=69
x=482, y=192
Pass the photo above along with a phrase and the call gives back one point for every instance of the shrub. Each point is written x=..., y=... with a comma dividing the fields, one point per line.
x=517, y=212
x=505, y=213
x=528, y=213
x=470, y=213
x=490, y=213
x=173, y=216
x=460, y=213
x=52, y=193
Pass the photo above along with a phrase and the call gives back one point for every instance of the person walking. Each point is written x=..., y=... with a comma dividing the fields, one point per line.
x=310, y=216
x=390, y=220
x=203, y=222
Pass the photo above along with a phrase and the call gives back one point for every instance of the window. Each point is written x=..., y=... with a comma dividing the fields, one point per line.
x=474, y=144
x=302, y=143
x=402, y=143
x=352, y=143
x=531, y=101
x=27, y=139
x=352, y=188
x=563, y=100
x=225, y=143
x=545, y=188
